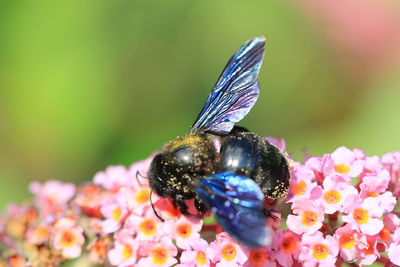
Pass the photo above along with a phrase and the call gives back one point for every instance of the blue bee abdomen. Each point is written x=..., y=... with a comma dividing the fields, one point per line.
x=239, y=154
x=253, y=156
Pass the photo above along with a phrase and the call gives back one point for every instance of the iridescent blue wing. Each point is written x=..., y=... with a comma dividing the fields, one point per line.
x=237, y=204
x=235, y=92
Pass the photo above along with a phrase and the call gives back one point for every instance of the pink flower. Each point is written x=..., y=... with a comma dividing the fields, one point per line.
x=227, y=252
x=183, y=230
x=52, y=196
x=287, y=246
x=197, y=254
x=124, y=252
x=394, y=248
x=139, y=198
x=260, y=257
x=335, y=193
x=302, y=183
x=308, y=219
x=89, y=198
x=372, y=164
x=39, y=234
x=98, y=250
x=344, y=163
x=68, y=238
x=318, y=250
x=113, y=178
x=350, y=242
x=147, y=227
x=115, y=211
x=159, y=254
x=363, y=215
x=374, y=183
x=369, y=253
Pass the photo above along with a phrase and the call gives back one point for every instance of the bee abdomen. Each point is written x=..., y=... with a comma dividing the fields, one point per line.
x=248, y=154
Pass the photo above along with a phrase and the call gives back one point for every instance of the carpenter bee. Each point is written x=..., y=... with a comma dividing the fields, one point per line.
x=232, y=180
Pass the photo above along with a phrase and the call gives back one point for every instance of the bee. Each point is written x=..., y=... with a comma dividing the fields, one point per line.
x=233, y=180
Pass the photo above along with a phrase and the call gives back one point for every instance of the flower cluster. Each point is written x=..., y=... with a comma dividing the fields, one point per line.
x=341, y=209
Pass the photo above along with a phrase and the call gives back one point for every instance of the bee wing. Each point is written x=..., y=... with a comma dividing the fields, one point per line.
x=235, y=92
x=237, y=203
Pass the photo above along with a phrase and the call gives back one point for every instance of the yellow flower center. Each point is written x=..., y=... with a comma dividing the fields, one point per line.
x=127, y=251
x=228, y=252
x=309, y=218
x=289, y=244
x=320, y=251
x=148, y=227
x=16, y=261
x=201, y=257
x=346, y=241
x=385, y=234
x=116, y=214
x=360, y=216
x=341, y=168
x=332, y=197
x=257, y=257
x=42, y=232
x=184, y=230
x=100, y=248
x=372, y=194
x=142, y=196
x=159, y=256
x=68, y=239
x=299, y=188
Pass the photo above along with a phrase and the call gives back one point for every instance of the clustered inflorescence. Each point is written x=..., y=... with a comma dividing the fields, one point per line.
x=341, y=208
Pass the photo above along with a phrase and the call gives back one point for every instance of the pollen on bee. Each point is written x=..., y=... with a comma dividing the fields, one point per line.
x=186, y=140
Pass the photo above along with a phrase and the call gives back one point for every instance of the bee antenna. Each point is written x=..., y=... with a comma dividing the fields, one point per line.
x=154, y=210
x=142, y=176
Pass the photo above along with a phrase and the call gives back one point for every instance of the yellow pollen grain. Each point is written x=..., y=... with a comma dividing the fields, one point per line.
x=228, y=252
x=332, y=197
x=360, y=216
x=159, y=256
x=127, y=251
x=309, y=218
x=186, y=140
x=320, y=251
x=341, y=168
x=116, y=214
x=201, y=257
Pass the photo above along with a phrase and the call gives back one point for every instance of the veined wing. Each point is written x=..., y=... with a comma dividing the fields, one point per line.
x=237, y=204
x=235, y=92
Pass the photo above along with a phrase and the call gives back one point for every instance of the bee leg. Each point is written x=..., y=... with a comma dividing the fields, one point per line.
x=200, y=206
x=268, y=213
x=180, y=203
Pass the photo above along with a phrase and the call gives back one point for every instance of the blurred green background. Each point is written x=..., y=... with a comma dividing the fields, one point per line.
x=87, y=84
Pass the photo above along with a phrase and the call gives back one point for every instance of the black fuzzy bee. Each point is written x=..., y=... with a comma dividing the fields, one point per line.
x=233, y=180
